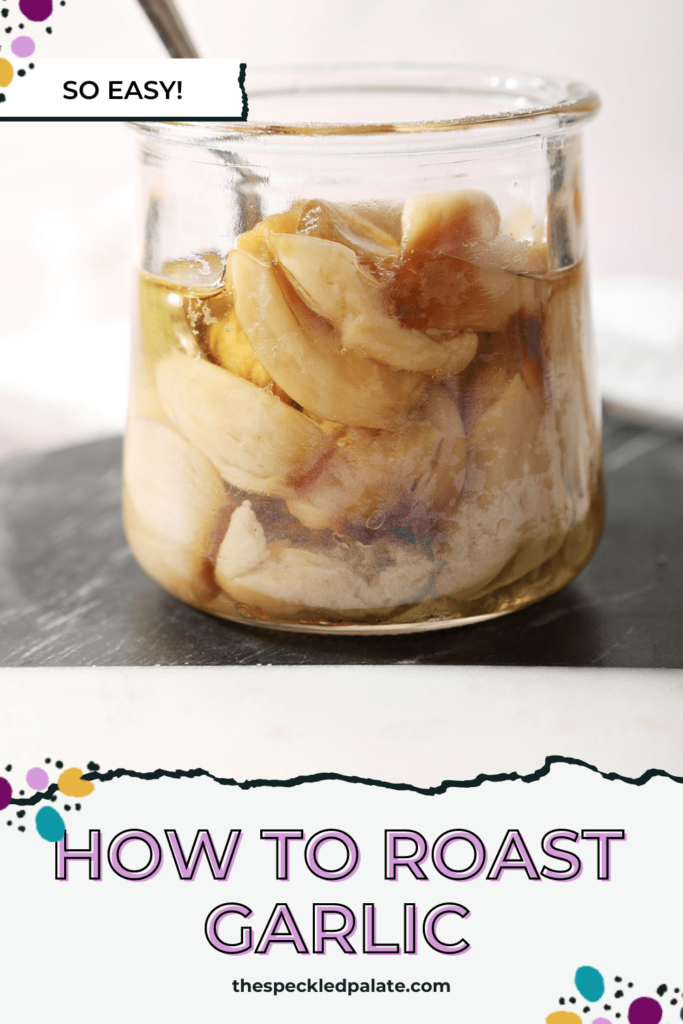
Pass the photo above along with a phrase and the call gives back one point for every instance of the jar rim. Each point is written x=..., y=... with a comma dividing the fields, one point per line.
x=524, y=96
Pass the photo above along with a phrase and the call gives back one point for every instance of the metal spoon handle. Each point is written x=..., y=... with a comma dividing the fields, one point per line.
x=169, y=27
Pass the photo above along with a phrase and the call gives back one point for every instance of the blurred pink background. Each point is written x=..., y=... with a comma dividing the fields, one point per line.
x=68, y=189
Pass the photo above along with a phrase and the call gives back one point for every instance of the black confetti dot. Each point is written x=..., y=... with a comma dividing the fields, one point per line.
x=67, y=807
x=5, y=12
x=661, y=990
x=607, y=1006
x=78, y=807
x=618, y=994
x=561, y=1000
x=677, y=990
x=62, y=3
x=21, y=72
x=8, y=768
x=47, y=760
x=21, y=792
x=48, y=30
x=21, y=26
x=22, y=828
x=630, y=984
x=673, y=1002
x=8, y=29
x=53, y=798
x=9, y=822
x=586, y=1009
x=20, y=814
x=92, y=767
x=59, y=764
x=617, y=979
x=2, y=97
x=31, y=66
x=571, y=999
x=617, y=1015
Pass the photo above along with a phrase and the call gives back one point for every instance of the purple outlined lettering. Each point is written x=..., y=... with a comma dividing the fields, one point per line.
x=281, y=916
x=118, y=844
x=350, y=865
x=409, y=928
x=478, y=860
x=211, y=929
x=322, y=934
x=513, y=842
x=550, y=848
x=93, y=854
x=370, y=943
x=393, y=860
x=604, y=837
x=282, y=837
x=429, y=929
x=187, y=867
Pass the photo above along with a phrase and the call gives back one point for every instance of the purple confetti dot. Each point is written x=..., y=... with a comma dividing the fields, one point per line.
x=645, y=1011
x=23, y=46
x=5, y=793
x=37, y=778
x=36, y=10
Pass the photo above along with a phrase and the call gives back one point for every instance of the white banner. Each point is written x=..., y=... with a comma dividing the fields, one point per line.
x=174, y=845
x=126, y=89
x=548, y=898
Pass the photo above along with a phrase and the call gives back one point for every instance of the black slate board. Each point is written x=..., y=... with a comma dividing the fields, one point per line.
x=71, y=593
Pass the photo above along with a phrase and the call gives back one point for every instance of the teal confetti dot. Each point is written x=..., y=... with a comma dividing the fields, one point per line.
x=590, y=983
x=50, y=824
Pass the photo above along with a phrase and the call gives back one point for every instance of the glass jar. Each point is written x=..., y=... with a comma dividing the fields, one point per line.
x=363, y=396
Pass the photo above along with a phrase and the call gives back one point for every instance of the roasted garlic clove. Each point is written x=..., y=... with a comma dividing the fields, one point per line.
x=254, y=440
x=287, y=579
x=501, y=440
x=569, y=369
x=445, y=221
x=327, y=278
x=229, y=347
x=255, y=241
x=407, y=577
x=174, y=503
x=430, y=290
x=348, y=226
x=290, y=579
x=243, y=547
x=458, y=271
x=369, y=480
x=164, y=328
x=519, y=247
x=516, y=511
x=524, y=240
x=383, y=214
x=308, y=363
x=411, y=475
x=439, y=487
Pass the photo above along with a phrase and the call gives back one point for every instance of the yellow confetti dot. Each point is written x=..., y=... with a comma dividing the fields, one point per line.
x=71, y=784
x=563, y=1017
x=6, y=72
